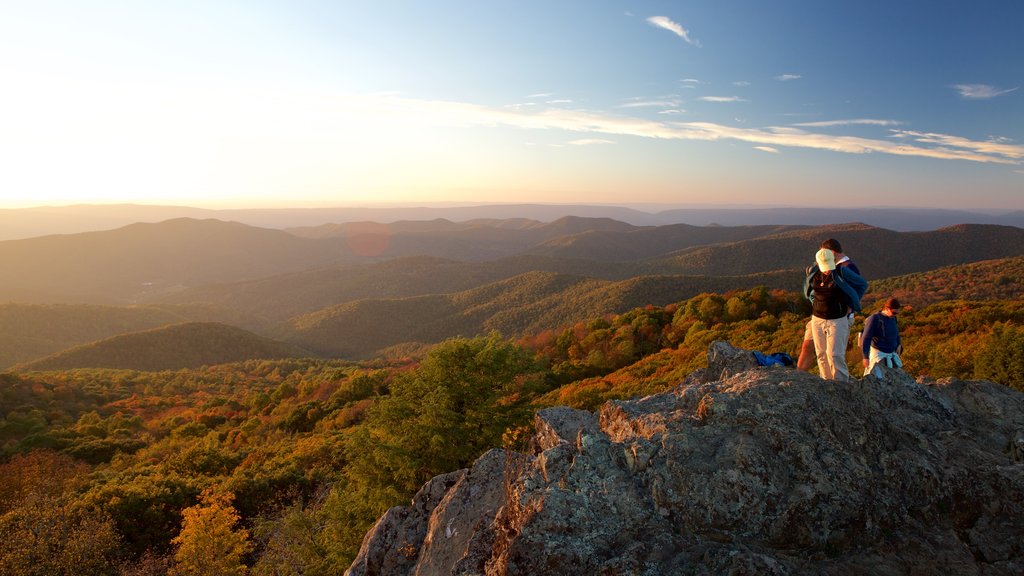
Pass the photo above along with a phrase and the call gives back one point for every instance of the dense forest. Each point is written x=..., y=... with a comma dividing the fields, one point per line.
x=276, y=467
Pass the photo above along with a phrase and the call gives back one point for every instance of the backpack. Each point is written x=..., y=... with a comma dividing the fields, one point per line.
x=780, y=358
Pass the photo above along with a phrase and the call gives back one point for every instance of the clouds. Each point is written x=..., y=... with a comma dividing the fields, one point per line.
x=980, y=91
x=655, y=103
x=768, y=139
x=721, y=99
x=788, y=77
x=859, y=121
x=591, y=141
x=996, y=148
x=665, y=23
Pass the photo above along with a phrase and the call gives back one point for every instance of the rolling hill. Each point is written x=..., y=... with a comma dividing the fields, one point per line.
x=879, y=253
x=319, y=293
x=124, y=265
x=186, y=345
x=649, y=242
x=527, y=303
x=31, y=331
x=987, y=280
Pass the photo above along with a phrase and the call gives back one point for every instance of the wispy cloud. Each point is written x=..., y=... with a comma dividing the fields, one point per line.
x=981, y=91
x=540, y=95
x=788, y=77
x=857, y=121
x=741, y=83
x=559, y=101
x=998, y=146
x=416, y=113
x=721, y=99
x=665, y=23
x=767, y=149
x=641, y=103
x=591, y=141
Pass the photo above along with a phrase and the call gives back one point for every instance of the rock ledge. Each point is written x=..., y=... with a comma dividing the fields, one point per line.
x=739, y=470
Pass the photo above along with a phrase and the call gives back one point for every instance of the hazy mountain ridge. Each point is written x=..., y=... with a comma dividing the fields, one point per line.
x=130, y=263
x=649, y=242
x=346, y=309
x=144, y=262
x=41, y=221
x=878, y=253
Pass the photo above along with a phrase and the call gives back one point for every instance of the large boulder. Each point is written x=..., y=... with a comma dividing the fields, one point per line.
x=740, y=470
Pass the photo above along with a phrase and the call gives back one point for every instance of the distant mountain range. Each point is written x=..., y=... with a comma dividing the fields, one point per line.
x=356, y=290
x=32, y=222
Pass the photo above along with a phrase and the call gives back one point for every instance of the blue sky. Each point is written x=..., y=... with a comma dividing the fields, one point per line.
x=265, y=103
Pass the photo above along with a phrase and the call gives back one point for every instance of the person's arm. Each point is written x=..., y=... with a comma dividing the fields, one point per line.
x=899, y=339
x=808, y=293
x=866, y=335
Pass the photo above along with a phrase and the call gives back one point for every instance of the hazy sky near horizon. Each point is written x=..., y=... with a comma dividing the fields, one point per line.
x=272, y=103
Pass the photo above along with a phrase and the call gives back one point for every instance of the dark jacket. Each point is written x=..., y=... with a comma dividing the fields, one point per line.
x=881, y=332
x=853, y=286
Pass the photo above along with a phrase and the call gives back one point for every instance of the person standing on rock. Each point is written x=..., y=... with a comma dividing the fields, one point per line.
x=807, y=356
x=834, y=293
x=880, y=340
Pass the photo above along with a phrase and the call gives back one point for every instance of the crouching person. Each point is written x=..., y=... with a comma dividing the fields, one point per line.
x=880, y=341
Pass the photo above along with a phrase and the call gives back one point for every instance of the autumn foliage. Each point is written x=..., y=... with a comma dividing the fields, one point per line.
x=280, y=466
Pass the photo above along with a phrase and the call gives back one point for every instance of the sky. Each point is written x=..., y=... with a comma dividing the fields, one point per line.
x=261, y=103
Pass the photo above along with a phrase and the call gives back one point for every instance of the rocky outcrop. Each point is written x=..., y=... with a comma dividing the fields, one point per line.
x=739, y=470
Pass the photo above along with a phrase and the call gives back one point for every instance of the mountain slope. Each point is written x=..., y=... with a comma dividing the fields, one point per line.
x=187, y=345
x=642, y=243
x=30, y=331
x=527, y=303
x=879, y=253
x=123, y=265
x=987, y=280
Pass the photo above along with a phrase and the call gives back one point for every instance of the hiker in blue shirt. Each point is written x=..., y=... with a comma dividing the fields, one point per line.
x=880, y=340
x=834, y=293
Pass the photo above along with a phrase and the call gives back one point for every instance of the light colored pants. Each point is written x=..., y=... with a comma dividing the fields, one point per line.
x=830, y=338
x=876, y=356
x=807, y=327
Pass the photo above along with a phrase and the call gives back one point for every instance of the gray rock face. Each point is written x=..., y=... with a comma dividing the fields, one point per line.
x=740, y=470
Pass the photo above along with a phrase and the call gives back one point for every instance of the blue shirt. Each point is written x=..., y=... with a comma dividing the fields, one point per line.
x=882, y=332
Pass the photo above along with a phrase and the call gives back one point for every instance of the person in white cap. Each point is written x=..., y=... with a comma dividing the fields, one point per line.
x=806, y=360
x=833, y=293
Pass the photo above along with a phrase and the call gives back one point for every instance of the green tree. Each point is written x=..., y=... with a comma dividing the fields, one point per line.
x=442, y=416
x=1000, y=357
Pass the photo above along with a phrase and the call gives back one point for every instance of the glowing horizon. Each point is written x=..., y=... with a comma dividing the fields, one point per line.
x=233, y=106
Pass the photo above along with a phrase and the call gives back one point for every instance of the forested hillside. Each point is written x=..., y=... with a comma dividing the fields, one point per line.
x=185, y=345
x=126, y=468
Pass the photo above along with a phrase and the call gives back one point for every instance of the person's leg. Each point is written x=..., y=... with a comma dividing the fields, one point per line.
x=820, y=331
x=840, y=338
x=872, y=360
x=806, y=360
